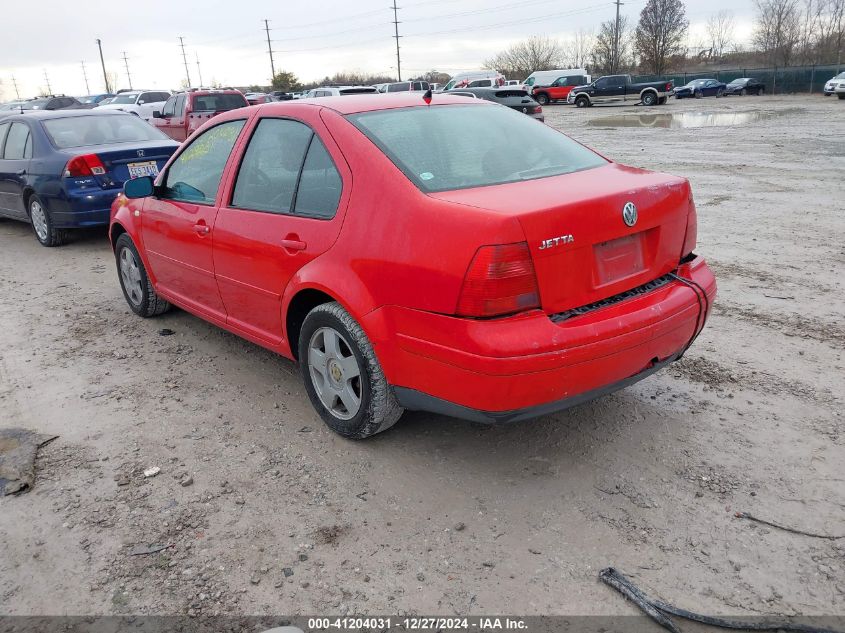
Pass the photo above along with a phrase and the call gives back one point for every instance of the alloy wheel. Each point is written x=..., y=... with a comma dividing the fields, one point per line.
x=39, y=220
x=130, y=276
x=335, y=373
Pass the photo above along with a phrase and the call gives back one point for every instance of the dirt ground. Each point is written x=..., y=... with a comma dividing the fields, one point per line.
x=438, y=516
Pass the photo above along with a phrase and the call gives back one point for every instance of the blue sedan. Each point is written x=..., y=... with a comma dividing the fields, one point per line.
x=701, y=88
x=62, y=170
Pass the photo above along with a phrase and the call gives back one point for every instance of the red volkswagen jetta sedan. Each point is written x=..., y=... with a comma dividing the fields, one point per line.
x=455, y=257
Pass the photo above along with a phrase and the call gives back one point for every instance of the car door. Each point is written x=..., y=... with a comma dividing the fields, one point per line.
x=173, y=118
x=611, y=88
x=4, y=128
x=559, y=89
x=177, y=224
x=14, y=162
x=284, y=210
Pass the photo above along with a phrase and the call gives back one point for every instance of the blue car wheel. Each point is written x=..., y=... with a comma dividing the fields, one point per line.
x=42, y=224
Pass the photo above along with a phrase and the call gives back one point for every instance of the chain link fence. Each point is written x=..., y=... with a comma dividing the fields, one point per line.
x=778, y=80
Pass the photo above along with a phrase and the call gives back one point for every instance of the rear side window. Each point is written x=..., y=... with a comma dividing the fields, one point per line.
x=320, y=185
x=270, y=166
x=195, y=174
x=180, y=106
x=218, y=102
x=17, y=142
x=400, y=87
x=421, y=142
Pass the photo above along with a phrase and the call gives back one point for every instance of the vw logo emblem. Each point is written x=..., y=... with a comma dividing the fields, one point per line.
x=629, y=213
x=140, y=153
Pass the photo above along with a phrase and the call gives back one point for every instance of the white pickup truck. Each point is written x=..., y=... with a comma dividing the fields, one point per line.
x=140, y=102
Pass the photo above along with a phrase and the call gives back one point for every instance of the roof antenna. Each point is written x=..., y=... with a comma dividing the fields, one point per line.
x=427, y=97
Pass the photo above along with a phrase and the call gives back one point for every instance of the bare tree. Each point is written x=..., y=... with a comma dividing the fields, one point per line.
x=601, y=53
x=720, y=30
x=577, y=50
x=777, y=31
x=831, y=30
x=660, y=33
x=523, y=58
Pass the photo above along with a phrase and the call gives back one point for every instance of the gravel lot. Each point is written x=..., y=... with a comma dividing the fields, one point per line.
x=266, y=511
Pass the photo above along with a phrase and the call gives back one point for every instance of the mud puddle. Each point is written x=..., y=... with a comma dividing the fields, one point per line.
x=679, y=120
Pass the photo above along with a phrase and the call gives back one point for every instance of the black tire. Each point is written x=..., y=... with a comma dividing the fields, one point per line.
x=760, y=91
x=649, y=98
x=542, y=98
x=698, y=94
x=662, y=100
x=582, y=102
x=143, y=301
x=720, y=93
x=42, y=224
x=378, y=409
x=743, y=92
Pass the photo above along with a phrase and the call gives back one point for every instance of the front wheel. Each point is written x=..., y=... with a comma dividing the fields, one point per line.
x=720, y=93
x=42, y=224
x=542, y=99
x=342, y=375
x=581, y=102
x=134, y=281
x=649, y=99
x=743, y=92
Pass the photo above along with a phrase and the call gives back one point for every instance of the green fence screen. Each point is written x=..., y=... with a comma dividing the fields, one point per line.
x=778, y=80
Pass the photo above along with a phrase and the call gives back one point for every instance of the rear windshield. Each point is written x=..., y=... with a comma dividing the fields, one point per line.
x=219, y=103
x=125, y=98
x=82, y=131
x=460, y=146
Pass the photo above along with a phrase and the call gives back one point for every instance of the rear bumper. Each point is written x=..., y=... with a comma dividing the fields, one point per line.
x=79, y=210
x=525, y=366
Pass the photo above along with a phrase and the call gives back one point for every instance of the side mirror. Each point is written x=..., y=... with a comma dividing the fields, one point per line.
x=140, y=187
x=141, y=102
x=157, y=114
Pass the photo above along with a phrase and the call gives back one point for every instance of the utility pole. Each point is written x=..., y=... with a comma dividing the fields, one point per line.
x=396, y=30
x=85, y=76
x=616, y=34
x=126, y=65
x=199, y=72
x=270, y=50
x=47, y=79
x=15, y=84
x=103, y=63
x=185, y=59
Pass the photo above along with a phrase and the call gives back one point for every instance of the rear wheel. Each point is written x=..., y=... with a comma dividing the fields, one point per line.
x=720, y=93
x=760, y=91
x=342, y=375
x=42, y=224
x=662, y=100
x=542, y=98
x=743, y=92
x=134, y=281
x=649, y=99
x=582, y=102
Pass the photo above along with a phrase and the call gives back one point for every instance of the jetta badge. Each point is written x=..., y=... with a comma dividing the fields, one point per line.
x=629, y=213
x=140, y=153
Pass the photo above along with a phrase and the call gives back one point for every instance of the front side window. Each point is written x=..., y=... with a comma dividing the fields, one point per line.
x=270, y=166
x=180, y=106
x=196, y=173
x=169, y=108
x=17, y=142
x=421, y=142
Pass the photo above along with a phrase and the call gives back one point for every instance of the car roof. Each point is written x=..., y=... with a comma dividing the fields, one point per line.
x=63, y=114
x=367, y=102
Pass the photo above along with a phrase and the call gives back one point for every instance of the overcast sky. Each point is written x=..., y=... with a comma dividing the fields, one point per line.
x=312, y=39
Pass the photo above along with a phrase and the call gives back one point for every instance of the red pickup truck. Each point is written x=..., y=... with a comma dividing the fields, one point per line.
x=186, y=111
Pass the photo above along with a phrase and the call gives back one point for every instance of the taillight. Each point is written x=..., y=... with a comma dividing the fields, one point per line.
x=84, y=165
x=500, y=280
x=691, y=235
x=538, y=109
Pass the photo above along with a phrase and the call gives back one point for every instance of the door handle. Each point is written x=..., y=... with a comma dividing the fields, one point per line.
x=202, y=229
x=22, y=172
x=293, y=243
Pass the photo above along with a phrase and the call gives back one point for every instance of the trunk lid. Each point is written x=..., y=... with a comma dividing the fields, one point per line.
x=123, y=161
x=583, y=249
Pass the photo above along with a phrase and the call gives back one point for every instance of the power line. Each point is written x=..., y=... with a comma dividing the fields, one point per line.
x=396, y=29
x=85, y=76
x=270, y=50
x=126, y=65
x=185, y=59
